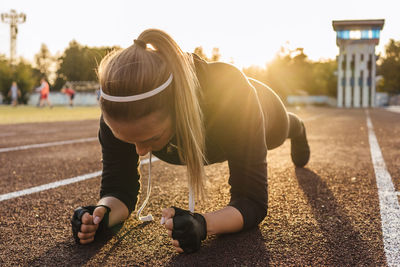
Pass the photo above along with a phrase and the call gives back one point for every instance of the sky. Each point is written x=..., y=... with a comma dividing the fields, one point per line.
x=247, y=32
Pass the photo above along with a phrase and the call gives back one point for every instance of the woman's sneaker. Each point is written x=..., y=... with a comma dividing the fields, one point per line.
x=300, y=150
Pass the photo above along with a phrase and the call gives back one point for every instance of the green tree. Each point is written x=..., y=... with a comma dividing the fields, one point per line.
x=291, y=72
x=199, y=51
x=288, y=73
x=215, y=54
x=27, y=79
x=302, y=73
x=279, y=75
x=44, y=61
x=389, y=68
x=325, y=78
x=256, y=72
x=23, y=73
x=79, y=63
x=5, y=76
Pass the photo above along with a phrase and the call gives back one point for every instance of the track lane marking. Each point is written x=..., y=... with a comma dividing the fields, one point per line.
x=56, y=184
x=388, y=200
x=7, y=134
x=58, y=143
x=49, y=186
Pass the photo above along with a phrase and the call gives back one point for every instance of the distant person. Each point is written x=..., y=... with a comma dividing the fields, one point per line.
x=70, y=93
x=185, y=110
x=14, y=93
x=98, y=95
x=44, y=90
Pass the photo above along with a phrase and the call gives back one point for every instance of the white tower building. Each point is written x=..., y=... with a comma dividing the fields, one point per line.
x=357, y=61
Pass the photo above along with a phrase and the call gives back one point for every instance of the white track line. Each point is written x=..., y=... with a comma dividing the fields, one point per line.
x=48, y=186
x=7, y=134
x=388, y=201
x=58, y=183
x=58, y=143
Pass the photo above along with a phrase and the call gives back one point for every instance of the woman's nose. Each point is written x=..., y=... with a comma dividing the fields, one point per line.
x=141, y=149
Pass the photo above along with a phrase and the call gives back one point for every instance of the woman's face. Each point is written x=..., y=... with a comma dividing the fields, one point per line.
x=150, y=133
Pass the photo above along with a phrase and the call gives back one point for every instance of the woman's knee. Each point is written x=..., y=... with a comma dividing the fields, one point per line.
x=295, y=125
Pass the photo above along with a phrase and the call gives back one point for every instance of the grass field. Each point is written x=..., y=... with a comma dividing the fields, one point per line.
x=28, y=114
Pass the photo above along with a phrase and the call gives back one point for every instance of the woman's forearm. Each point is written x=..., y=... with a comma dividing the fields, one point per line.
x=226, y=220
x=119, y=211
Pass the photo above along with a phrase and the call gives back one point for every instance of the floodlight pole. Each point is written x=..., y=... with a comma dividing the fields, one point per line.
x=13, y=19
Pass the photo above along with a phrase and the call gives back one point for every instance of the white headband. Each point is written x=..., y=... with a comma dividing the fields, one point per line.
x=136, y=97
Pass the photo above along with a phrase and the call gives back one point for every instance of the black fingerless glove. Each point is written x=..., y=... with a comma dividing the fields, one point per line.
x=76, y=222
x=189, y=229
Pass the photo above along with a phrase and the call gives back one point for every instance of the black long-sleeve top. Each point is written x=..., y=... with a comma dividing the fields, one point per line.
x=235, y=131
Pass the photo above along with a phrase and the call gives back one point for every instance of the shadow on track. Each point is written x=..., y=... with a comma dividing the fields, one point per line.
x=77, y=255
x=121, y=236
x=241, y=249
x=67, y=252
x=344, y=243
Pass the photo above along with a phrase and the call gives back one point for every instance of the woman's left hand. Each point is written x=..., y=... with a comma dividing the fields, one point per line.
x=166, y=220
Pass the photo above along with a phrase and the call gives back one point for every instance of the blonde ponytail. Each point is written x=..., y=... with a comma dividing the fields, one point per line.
x=188, y=114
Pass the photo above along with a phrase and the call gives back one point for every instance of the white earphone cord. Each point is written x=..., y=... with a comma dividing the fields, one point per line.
x=149, y=217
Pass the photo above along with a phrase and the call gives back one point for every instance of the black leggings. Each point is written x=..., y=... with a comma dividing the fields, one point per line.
x=279, y=124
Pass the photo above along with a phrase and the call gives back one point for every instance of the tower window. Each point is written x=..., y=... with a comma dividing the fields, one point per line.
x=375, y=33
x=369, y=63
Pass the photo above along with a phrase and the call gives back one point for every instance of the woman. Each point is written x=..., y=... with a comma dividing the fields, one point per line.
x=14, y=93
x=185, y=111
x=44, y=90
